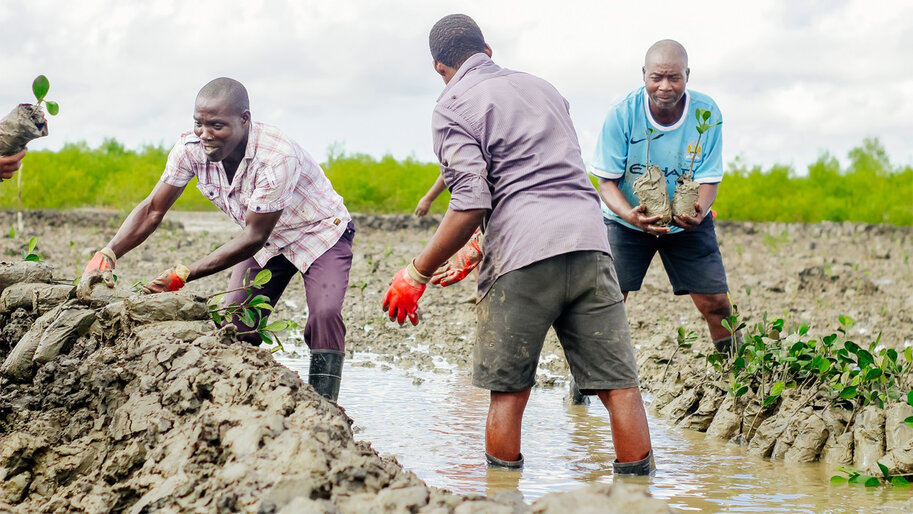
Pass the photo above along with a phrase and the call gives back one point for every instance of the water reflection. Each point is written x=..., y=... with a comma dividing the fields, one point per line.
x=437, y=430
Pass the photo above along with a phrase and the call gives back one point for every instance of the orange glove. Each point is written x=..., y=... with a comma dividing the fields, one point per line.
x=170, y=280
x=402, y=297
x=99, y=269
x=461, y=263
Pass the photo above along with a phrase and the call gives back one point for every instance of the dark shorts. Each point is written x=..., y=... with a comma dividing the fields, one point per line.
x=691, y=257
x=576, y=293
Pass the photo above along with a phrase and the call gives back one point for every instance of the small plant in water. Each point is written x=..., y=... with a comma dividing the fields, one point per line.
x=856, y=477
x=253, y=311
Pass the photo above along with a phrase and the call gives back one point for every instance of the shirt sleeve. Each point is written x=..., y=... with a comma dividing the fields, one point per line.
x=611, y=155
x=710, y=169
x=463, y=164
x=274, y=185
x=178, y=168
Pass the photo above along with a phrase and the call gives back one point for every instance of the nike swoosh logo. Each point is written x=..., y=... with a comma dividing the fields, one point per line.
x=635, y=141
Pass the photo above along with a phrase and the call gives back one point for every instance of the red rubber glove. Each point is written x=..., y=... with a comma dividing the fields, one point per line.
x=99, y=269
x=170, y=280
x=461, y=263
x=402, y=297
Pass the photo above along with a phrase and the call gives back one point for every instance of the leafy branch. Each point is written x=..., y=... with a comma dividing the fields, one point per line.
x=253, y=311
x=703, y=125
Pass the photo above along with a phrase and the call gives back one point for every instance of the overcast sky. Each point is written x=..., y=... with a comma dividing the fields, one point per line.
x=792, y=78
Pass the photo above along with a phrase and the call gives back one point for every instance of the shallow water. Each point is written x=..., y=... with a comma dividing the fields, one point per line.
x=433, y=423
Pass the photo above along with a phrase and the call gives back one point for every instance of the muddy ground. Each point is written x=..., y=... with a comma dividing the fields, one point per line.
x=808, y=274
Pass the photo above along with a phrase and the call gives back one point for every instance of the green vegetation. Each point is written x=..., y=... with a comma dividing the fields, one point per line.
x=252, y=309
x=703, y=125
x=40, y=87
x=870, y=189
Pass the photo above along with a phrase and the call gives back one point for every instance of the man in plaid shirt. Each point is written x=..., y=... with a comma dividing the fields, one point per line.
x=293, y=221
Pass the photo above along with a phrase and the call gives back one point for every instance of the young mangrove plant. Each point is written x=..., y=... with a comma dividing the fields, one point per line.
x=650, y=188
x=253, y=311
x=857, y=477
x=686, y=192
x=29, y=254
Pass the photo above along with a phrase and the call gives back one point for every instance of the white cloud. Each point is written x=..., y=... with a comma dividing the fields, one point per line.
x=792, y=78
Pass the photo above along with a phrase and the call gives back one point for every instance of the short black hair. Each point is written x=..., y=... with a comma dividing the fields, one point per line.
x=455, y=38
x=228, y=89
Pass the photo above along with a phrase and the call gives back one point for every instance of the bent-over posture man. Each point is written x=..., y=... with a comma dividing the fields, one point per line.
x=688, y=249
x=293, y=220
x=510, y=156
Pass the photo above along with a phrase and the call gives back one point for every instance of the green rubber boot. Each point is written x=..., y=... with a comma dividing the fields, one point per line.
x=325, y=373
x=494, y=462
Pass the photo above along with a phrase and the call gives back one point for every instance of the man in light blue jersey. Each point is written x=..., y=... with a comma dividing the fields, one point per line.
x=688, y=247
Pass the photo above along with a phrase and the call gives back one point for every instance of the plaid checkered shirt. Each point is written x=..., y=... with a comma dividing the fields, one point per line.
x=275, y=174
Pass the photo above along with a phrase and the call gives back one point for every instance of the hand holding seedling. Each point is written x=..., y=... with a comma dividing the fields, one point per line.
x=23, y=124
x=637, y=216
x=690, y=222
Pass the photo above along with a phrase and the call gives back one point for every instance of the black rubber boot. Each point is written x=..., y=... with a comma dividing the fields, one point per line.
x=498, y=463
x=643, y=467
x=577, y=398
x=724, y=344
x=325, y=373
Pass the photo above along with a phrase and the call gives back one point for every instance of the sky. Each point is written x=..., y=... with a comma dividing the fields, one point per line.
x=793, y=79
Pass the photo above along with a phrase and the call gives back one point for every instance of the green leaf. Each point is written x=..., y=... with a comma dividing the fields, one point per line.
x=257, y=300
x=836, y=479
x=215, y=300
x=777, y=388
x=705, y=115
x=263, y=278
x=216, y=317
x=884, y=470
x=910, y=398
x=769, y=400
x=33, y=242
x=909, y=421
x=53, y=108
x=246, y=318
x=907, y=352
x=40, y=87
x=873, y=373
x=264, y=336
x=740, y=391
x=900, y=482
x=277, y=326
x=726, y=325
x=31, y=258
x=872, y=482
x=848, y=393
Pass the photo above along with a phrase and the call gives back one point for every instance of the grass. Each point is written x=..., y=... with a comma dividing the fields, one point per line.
x=870, y=189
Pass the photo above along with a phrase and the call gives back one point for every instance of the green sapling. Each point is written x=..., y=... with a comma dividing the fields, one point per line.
x=686, y=193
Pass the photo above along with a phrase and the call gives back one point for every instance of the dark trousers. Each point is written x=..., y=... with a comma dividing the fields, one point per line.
x=325, y=285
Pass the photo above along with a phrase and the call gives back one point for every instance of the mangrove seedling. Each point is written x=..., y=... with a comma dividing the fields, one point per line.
x=686, y=192
x=253, y=311
x=650, y=188
x=30, y=255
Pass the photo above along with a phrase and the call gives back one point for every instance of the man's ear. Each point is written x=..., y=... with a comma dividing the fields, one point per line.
x=439, y=67
x=643, y=72
x=487, y=50
x=245, y=117
x=687, y=74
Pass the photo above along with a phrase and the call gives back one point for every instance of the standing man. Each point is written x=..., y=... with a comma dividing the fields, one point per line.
x=293, y=221
x=689, y=249
x=510, y=156
x=9, y=164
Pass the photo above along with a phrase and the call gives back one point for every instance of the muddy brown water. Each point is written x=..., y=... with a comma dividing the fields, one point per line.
x=433, y=423
x=407, y=388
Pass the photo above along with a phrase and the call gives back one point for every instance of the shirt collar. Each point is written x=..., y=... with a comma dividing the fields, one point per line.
x=475, y=62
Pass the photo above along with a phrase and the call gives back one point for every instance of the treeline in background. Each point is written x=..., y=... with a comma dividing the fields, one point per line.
x=869, y=189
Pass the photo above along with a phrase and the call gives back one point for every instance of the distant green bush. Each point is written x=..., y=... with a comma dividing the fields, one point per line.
x=870, y=189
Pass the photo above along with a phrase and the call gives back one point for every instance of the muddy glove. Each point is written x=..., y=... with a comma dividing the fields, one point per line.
x=461, y=263
x=99, y=269
x=402, y=297
x=170, y=280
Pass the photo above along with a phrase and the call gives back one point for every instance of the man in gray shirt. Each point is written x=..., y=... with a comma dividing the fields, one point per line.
x=510, y=156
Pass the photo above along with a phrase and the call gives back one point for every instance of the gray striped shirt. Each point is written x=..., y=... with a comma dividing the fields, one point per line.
x=506, y=143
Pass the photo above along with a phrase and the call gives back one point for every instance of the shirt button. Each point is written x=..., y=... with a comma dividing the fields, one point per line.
x=258, y=209
x=267, y=243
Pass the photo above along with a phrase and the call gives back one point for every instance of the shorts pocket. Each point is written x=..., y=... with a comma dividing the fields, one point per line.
x=606, y=279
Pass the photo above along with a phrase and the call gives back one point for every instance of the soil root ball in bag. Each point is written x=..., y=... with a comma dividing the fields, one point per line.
x=685, y=196
x=23, y=124
x=650, y=189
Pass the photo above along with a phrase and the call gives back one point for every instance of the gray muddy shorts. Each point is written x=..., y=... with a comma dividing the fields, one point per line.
x=576, y=293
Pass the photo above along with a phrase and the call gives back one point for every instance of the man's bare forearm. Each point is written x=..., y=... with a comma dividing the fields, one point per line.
x=454, y=231
x=240, y=248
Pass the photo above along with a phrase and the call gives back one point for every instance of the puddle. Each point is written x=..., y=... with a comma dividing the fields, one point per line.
x=434, y=424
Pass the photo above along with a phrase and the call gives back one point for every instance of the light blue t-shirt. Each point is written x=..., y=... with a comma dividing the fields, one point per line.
x=621, y=150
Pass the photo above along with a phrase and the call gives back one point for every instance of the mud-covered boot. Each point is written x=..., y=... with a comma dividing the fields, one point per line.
x=643, y=467
x=325, y=373
x=498, y=463
x=574, y=394
x=725, y=344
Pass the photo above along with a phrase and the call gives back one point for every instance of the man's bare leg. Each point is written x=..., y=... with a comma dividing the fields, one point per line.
x=505, y=419
x=630, y=433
